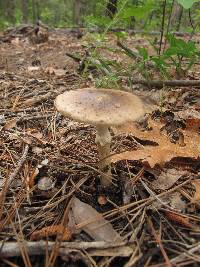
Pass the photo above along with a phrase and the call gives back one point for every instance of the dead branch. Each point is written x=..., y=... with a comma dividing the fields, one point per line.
x=130, y=31
x=12, y=249
x=74, y=57
x=37, y=99
x=128, y=51
x=160, y=84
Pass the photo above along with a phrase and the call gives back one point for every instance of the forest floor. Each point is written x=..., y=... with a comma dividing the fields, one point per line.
x=48, y=165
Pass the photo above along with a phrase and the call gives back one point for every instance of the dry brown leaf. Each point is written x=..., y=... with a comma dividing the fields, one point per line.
x=57, y=72
x=167, y=178
x=196, y=197
x=193, y=124
x=93, y=222
x=37, y=150
x=46, y=183
x=176, y=202
x=192, y=119
x=33, y=68
x=165, y=150
x=37, y=135
x=15, y=41
x=10, y=124
x=32, y=177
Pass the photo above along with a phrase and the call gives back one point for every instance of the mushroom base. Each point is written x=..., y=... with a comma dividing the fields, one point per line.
x=103, y=140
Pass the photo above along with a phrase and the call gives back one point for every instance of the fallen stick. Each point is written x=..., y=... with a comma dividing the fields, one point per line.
x=18, y=167
x=160, y=84
x=12, y=249
x=130, y=31
x=188, y=254
x=37, y=99
x=128, y=51
x=8, y=181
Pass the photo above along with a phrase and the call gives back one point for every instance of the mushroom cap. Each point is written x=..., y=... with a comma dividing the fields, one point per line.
x=99, y=106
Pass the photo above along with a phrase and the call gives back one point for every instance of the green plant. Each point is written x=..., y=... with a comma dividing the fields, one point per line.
x=182, y=54
x=107, y=81
x=176, y=60
x=187, y=3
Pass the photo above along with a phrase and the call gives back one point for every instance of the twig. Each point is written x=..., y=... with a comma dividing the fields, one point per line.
x=160, y=84
x=130, y=31
x=11, y=249
x=128, y=51
x=158, y=240
x=19, y=165
x=74, y=57
x=185, y=255
x=37, y=99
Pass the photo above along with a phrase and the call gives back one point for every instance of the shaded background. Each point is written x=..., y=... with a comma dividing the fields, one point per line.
x=134, y=14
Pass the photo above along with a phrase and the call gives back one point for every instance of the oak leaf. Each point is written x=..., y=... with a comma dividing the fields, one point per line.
x=165, y=149
x=196, y=197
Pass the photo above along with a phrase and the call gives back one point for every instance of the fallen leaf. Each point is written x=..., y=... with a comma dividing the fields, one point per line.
x=165, y=150
x=2, y=119
x=93, y=223
x=176, y=202
x=15, y=41
x=37, y=135
x=167, y=178
x=193, y=124
x=46, y=183
x=32, y=177
x=37, y=150
x=33, y=68
x=57, y=72
x=192, y=119
x=10, y=124
x=196, y=197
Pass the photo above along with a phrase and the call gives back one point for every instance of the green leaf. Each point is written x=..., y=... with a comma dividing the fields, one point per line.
x=139, y=12
x=187, y=3
x=179, y=47
x=143, y=52
x=121, y=35
x=171, y=51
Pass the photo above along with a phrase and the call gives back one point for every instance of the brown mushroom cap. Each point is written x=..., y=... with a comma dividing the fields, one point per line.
x=100, y=106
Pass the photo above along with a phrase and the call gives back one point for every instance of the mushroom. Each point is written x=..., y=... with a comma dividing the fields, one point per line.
x=101, y=108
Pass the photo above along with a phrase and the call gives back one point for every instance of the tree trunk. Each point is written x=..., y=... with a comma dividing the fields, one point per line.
x=111, y=8
x=10, y=11
x=24, y=4
x=35, y=11
x=77, y=12
x=179, y=19
x=132, y=18
x=176, y=16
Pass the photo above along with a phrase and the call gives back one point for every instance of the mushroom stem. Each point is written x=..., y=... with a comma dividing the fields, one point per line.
x=103, y=140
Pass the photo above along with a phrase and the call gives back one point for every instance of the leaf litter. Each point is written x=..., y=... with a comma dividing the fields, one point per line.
x=164, y=150
x=156, y=168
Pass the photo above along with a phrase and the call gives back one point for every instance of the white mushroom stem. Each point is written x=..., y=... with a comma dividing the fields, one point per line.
x=103, y=140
